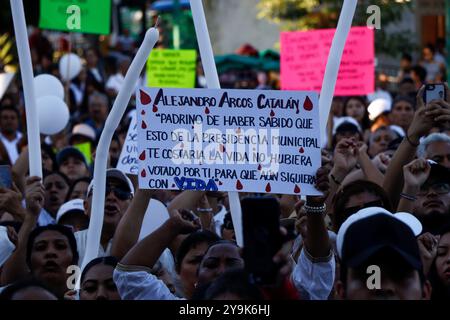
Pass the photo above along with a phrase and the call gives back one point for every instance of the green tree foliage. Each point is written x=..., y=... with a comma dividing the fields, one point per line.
x=317, y=14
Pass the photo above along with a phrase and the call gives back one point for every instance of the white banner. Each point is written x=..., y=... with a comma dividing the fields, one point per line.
x=228, y=140
x=128, y=162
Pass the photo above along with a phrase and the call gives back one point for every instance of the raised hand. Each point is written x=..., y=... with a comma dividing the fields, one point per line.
x=34, y=195
x=428, y=245
x=205, y=213
x=345, y=158
x=424, y=118
x=439, y=111
x=184, y=222
x=10, y=201
x=416, y=173
x=381, y=161
x=361, y=148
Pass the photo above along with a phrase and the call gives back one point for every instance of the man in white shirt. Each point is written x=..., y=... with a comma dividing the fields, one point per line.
x=9, y=134
x=115, y=82
x=119, y=192
x=95, y=75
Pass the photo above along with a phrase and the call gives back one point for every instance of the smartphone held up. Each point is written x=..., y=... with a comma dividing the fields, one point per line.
x=434, y=92
x=262, y=238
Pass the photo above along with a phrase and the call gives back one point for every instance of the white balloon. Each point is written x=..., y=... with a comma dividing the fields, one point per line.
x=53, y=114
x=69, y=66
x=48, y=85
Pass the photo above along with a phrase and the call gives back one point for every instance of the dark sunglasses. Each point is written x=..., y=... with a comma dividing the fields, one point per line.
x=120, y=193
x=439, y=188
x=352, y=210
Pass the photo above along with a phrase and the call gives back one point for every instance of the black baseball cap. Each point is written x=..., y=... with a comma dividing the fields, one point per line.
x=371, y=230
x=67, y=152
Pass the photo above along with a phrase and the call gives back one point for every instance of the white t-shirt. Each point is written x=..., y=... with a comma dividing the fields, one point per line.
x=137, y=283
x=433, y=69
x=96, y=74
x=45, y=218
x=314, y=280
x=218, y=219
x=11, y=146
x=81, y=238
x=115, y=82
x=439, y=58
x=6, y=246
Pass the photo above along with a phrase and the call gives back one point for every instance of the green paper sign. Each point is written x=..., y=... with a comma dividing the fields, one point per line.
x=84, y=16
x=167, y=68
x=85, y=149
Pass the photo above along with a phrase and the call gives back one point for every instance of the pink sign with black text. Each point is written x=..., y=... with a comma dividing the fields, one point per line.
x=304, y=55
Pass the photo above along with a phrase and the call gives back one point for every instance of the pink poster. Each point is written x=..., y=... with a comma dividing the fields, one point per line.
x=304, y=56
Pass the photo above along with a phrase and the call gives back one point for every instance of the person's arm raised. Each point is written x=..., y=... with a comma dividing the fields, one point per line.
x=415, y=174
x=344, y=161
x=187, y=200
x=371, y=172
x=127, y=232
x=147, y=251
x=16, y=268
x=420, y=126
x=317, y=242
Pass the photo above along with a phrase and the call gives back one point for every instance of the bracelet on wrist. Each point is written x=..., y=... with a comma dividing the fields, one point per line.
x=314, y=209
x=204, y=210
x=408, y=196
x=410, y=142
x=334, y=179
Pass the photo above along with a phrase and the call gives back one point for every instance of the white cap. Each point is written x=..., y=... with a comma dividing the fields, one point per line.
x=398, y=130
x=117, y=174
x=342, y=120
x=76, y=204
x=404, y=217
x=378, y=107
x=379, y=94
x=85, y=130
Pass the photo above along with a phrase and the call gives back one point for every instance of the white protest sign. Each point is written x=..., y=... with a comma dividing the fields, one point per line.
x=5, y=81
x=155, y=216
x=228, y=140
x=128, y=162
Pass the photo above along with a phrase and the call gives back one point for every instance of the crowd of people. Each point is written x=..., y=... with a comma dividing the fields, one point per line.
x=385, y=178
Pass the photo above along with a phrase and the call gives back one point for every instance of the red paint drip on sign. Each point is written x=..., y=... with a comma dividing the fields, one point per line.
x=308, y=105
x=145, y=98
